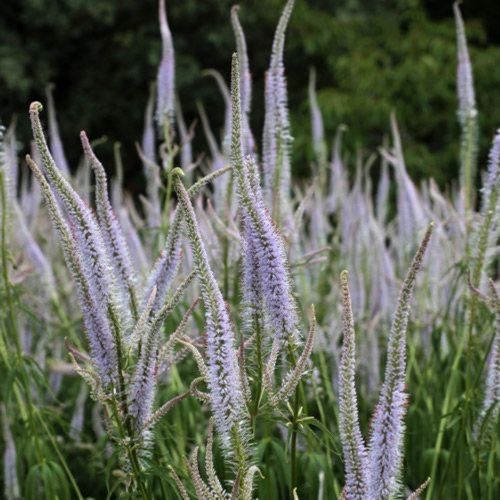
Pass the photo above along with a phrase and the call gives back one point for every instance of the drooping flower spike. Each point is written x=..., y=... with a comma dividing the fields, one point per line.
x=89, y=242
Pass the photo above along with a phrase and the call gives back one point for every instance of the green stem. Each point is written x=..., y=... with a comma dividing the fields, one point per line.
x=293, y=447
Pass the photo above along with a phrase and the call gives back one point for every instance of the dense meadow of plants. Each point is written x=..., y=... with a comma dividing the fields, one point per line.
x=235, y=333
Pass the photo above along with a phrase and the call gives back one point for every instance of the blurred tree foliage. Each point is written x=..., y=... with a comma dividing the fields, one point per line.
x=372, y=57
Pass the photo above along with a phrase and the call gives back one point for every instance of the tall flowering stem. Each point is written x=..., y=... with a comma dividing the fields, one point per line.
x=467, y=113
x=263, y=242
x=91, y=248
x=226, y=391
x=277, y=138
x=354, y=448
x=387, y=433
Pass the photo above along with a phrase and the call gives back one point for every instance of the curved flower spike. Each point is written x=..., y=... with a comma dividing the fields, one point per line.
x=114, y=239
x=223, y=374
x=167, y=264
x=102, y=345
x=95, y=263
x=387, y=431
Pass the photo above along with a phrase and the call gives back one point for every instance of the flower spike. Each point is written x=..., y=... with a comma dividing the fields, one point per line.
x=467, y=112
x=223, y=377
x=261, y=236
x=99, y=335
x=165, y=99
x=354, y=449
x=387, y=431
x=114, y=239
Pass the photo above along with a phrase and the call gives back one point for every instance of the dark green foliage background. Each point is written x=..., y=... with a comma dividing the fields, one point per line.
x=372, y=57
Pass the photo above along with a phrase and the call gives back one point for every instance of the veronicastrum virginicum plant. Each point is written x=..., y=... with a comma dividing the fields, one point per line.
x=257, y=253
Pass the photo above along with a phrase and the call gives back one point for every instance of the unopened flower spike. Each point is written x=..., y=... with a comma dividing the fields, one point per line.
x=245, y=81
x=353, y=446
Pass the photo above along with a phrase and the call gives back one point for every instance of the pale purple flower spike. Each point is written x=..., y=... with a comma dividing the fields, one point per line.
x=226, y=391
x=387, y=432
x=165, y=101
x=261, y=234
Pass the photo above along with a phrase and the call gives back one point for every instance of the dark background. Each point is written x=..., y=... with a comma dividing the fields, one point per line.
x=372, y=57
